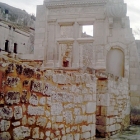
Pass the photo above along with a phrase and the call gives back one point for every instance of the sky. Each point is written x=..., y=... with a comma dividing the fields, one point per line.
x=133, y=9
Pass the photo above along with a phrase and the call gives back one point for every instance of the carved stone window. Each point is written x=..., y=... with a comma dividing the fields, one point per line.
x=66, y=31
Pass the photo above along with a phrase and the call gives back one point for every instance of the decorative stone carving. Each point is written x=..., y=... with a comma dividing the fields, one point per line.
x=41, y=121
x=87, y=54
x=33, y=99
x=4, y=125
x=12, y=81
x=17, y=112
x=39, y=110
x=6, y=112
x=66, y=31
x=37, y=86
x=116, y=10
x=21, y=132
x=12, y=97
x=5, y=136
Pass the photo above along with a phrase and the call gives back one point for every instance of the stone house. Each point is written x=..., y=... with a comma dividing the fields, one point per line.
x=16, y=38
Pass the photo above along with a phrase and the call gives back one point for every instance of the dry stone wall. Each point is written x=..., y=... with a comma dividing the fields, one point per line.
x=47, y=105
x=113, y=105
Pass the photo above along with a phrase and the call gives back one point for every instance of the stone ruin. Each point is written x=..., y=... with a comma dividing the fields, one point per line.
x=88, y=85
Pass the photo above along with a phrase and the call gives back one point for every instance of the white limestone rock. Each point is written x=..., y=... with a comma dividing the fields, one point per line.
x=21, y=132
x=17, y=112
x=4, y=125
x=5, y=136
x=90, y=107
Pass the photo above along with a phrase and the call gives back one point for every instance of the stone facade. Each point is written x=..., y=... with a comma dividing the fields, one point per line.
x=112, y=48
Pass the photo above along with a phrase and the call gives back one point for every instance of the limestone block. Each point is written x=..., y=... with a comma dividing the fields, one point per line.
x=64, y=138
x=68, y=130
x=42, y=101
x=90, y=119
x=47, y=138
x=90, y=107
x=5, y=136
x=61, y=126
x=77, y=136
x=57, y=133
x=77, y=111
x=63, y=131
x=78, y=99
x=21, y=132
x=78, y=119
x=41, y=121
x=68, y=116
x=33, y=100
x=56, y=108
x=59, y=118
x=93, y=129
x=4, y=125
x=24, y=120
x=16, y=123
x=103, y=99
x=73, y=128
x=38, y=110
x=41, y=136
x=48, y=133
x=47, y=113
x=12, y=97
x=17, y=112
x=86, y=135
x=86, y=128
x=48, y=125
x=88, y=97
x=35, y=133
x=69, y=136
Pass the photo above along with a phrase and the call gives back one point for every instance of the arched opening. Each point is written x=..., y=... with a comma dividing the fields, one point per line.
x=6, y=45
x=15, y=47
x=115, y=62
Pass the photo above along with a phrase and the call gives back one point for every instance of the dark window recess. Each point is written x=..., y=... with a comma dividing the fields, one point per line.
x=15, y=47
x=65, y=63
x=6, y=46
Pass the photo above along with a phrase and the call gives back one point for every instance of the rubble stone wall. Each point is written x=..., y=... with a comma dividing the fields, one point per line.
x=113, y=105
x=49, y=104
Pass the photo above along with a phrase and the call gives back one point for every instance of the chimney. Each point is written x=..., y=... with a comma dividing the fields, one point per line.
x=7, y=14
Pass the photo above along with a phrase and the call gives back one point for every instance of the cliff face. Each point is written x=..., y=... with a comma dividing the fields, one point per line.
x=16, y=15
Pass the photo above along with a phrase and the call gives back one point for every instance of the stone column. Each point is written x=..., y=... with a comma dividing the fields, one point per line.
x=75, y=57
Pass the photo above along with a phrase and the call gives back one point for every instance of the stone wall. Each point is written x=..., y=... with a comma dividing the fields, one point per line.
x=113, y=105
x=48, y=104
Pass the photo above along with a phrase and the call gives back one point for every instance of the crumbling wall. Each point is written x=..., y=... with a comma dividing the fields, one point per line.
x=134, y=81
x=113, y=105
x=49, y=104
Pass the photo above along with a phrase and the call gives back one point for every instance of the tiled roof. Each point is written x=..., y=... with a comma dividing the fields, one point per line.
x=17, y=26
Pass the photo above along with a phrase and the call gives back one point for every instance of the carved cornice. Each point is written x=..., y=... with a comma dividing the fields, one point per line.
x=52, y=4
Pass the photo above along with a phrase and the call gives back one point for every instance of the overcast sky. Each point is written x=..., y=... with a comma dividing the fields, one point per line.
x=30, y=6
